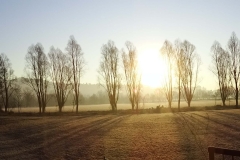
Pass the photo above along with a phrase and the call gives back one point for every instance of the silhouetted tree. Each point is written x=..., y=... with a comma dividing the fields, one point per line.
x=233, y=48
x=167, y=51
x=109, y=72
x=189, y=71
x=60, y=74
x=178, y=59
x=6, y=80
x=77, y=61
x=221, y=68
x=37, y=68
x=133, y=78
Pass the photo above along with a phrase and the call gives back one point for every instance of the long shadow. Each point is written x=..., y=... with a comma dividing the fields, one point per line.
x=193, y=120
x=222, y=133
x=188, y=142
x=30, y=131
x=220, y=121
x=227, y=114
x=44, y=141
x=99, y=129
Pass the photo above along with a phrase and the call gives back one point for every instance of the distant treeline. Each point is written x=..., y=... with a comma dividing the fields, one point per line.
x=28, y=99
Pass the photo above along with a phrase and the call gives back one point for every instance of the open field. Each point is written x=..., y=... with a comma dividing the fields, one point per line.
x=105, y=107
x=143, y=136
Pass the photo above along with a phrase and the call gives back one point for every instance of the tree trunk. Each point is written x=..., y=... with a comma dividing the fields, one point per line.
x=236, y=85
x=43, y=108
x=223, y=101
x=6, y=105
x=76, y=96
x=6, y=96
x=179, y=94
x=132, y=103
x=170, y=104
x=189, y=103
x=114, y=107
x=76, y=104
x=60, y=109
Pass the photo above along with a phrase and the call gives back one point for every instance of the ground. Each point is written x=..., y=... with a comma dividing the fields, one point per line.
x=114, y=136
x=105, y=107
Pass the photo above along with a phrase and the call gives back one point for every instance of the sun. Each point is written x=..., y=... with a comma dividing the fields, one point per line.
x=152, y=67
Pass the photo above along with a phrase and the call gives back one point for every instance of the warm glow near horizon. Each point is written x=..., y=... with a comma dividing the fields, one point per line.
x=152, y=67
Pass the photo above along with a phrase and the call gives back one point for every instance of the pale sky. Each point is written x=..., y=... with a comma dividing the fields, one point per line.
x=147, y=24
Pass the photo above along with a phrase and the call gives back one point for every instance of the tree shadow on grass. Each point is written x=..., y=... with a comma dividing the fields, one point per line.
x=188, y=143
x=221, y=131
x=51, y=141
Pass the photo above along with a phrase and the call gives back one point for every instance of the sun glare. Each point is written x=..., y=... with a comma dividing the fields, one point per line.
x=152, y=67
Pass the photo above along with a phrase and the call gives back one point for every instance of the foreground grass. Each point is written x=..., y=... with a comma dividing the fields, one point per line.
x=121, y=136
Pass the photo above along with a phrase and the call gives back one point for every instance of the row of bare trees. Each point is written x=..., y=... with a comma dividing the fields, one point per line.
x=183, y=62
x=110, y=74
x=64, y=69
x=226, y=66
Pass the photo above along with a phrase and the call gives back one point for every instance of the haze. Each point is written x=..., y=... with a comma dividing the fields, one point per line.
x=147, y=24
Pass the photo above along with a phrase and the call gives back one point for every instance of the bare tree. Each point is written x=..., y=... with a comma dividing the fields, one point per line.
x=234, y=50
x=221, y=68
x=178, y=55
x=60, y=74
x=109, y=73
x=77, y=61
x=189, y=71
x=133, y=78
x=6, y=80
x=37, y=68
x=167, y=51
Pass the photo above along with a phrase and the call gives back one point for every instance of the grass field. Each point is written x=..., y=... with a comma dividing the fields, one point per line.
x=123, y=136
x=105, y=107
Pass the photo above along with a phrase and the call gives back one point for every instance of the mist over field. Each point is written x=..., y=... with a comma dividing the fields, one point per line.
x=126, y=79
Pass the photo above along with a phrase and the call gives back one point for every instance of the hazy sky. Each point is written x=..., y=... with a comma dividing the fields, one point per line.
x=145, y=23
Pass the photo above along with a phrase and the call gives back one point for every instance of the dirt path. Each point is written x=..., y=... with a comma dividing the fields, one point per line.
x=145, y=136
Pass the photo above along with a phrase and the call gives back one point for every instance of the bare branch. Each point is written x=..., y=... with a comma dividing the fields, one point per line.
x=109, y=76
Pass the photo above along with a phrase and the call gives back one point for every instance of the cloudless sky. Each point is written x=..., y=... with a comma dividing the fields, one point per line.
x=145, y=23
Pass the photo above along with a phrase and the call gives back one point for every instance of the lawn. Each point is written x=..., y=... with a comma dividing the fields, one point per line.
x=105, y=107
x=123, y=136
